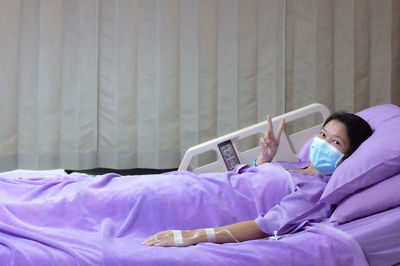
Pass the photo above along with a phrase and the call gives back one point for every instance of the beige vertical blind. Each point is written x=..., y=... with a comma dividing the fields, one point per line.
x=176, y=73
x=134, y=83
x=48, y=84
x=342, y=53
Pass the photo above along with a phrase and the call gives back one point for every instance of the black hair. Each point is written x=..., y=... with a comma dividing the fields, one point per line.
x=358, y=130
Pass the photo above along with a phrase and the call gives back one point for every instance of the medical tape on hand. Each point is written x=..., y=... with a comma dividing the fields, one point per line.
x=211, y=235
x=178, y=237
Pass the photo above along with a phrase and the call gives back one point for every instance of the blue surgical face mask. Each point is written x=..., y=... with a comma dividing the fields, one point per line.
x=324, y=157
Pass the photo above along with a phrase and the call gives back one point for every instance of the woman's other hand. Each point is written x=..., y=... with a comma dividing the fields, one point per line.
x=269, y=143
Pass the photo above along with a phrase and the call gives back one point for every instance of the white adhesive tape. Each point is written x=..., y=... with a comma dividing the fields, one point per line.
x=178, y=237
x=211, y=235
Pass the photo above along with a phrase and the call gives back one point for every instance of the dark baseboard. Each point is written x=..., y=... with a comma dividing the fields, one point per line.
x=133, y=171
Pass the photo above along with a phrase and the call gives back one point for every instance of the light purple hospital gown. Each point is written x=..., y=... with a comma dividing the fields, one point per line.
x=300, y=205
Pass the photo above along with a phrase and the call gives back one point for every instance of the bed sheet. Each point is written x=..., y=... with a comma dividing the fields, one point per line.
x=58, y=219
x=378, y=235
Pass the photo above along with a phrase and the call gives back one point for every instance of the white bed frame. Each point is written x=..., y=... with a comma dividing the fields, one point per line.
x=289, y=146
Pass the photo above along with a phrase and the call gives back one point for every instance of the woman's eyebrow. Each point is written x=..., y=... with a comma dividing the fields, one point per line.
x=339, y=137
x=333, y=135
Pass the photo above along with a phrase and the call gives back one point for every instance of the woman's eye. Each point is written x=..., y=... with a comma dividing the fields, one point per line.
x=322, y=134
x=336, y=142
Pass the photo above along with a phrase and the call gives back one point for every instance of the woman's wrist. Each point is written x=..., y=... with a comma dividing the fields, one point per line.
x=191, y=237
x=261, y=159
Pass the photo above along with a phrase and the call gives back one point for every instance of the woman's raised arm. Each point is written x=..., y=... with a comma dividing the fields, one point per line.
x=269, y=143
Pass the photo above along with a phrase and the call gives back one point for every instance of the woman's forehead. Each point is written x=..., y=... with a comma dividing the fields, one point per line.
x=336, y=128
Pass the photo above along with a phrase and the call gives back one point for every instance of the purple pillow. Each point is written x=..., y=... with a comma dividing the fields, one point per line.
x=375, y=160
x=379, y=197
x=304, y=154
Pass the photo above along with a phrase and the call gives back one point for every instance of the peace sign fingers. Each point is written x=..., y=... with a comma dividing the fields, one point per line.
x=269, y=133
x=269, y=143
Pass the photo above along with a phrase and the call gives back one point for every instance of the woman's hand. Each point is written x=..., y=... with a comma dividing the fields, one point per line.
x=164, y=238
x=167, y=239
x=269, y=143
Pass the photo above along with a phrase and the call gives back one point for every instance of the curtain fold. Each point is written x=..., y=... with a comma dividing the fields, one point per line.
x=135, y=83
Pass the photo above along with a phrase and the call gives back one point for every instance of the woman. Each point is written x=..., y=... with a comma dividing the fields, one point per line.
x=340, y=136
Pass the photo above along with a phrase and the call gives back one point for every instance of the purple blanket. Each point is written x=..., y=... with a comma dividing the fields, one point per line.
x=102, y=220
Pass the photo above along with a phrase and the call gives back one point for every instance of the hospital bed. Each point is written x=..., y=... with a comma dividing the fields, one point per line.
x=374, y=233
x=364, y=229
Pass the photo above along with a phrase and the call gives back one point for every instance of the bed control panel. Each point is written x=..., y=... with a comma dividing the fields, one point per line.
x=229, y=155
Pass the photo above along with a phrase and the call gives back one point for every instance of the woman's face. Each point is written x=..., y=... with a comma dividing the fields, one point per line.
x=335, y=133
